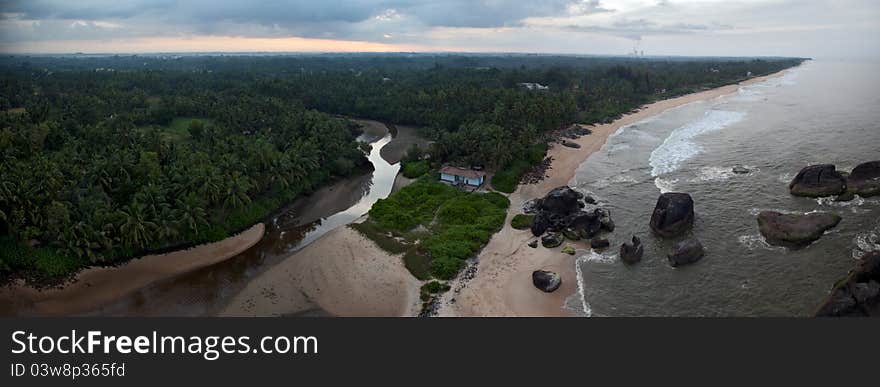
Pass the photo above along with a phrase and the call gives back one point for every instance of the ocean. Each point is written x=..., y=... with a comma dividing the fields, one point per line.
x=824, y=111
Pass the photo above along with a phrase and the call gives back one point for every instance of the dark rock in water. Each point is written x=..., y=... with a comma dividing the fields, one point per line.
x=540, y=224
x=673, y=214
x=561, y=200
x=846, y=196
x=571, y=234
x=605, y=222
x=546, y=281
x=599, y=243
x=551, y=240
x=589, y=200
x=818, y=180
x=685, y=252
x=571, y=144
x=859, y=293
x=865, y=179
x=533, y=244
x=632, y=253
x=741, y=170
x=794, y=230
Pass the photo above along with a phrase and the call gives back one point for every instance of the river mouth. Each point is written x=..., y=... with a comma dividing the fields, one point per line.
x=207, y=290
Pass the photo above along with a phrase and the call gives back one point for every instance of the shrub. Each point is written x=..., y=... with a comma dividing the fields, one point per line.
x=522, y=221
x=414, y=169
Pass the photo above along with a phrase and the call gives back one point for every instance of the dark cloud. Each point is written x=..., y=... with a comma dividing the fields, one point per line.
x=635, y=29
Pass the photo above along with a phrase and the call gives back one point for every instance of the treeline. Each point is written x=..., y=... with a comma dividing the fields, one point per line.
x=98, y=167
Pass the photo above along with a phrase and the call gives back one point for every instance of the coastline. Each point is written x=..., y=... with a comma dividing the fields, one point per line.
x=502, y=284
x=98, y=286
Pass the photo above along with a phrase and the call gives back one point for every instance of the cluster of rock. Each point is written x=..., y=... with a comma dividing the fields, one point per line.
x=821, y=180
x=537, y=173
x=825, y=180
x=859, y=293
x=561, y=215
x=673, y=216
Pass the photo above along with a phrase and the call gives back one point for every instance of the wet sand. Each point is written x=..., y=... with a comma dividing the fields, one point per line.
x=342, y=273
x=502, y=285
x=95, y=287
x=403, y=141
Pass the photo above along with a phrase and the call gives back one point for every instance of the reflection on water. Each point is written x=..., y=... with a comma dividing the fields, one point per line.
x=204, y=291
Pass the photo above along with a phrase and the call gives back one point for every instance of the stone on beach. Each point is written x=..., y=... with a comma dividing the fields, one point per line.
x=546, y=281
x=551, y=240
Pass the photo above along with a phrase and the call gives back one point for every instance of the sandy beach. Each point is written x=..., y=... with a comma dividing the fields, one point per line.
x=95, y=287
x=342, y=273
x=502, y=285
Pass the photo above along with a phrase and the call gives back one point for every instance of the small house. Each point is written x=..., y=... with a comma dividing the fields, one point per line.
x=457, y=175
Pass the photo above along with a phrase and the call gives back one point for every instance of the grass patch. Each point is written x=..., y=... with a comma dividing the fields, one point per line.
x=522, y=221
x=459, y=225
x=509, y=177
x=382, y=238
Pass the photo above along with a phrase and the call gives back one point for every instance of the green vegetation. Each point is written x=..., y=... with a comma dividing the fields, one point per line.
x=414, y=169
x=522, y=221
x=459, y=225
x=509, y=177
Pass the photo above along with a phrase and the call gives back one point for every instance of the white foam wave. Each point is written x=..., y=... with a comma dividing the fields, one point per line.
x=757, y=241
x=584, y=306
x=665, y=185
x=867, y=241
x=785, y=177
x=680, y=145
x=616, y=179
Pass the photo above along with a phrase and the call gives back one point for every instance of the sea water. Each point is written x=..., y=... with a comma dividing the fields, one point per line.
x=824, y=111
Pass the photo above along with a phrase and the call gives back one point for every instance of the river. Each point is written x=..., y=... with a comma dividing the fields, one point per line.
x=205, y=291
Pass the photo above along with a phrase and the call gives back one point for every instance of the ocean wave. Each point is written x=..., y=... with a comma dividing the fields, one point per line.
x=866, y=241
x=757, y=241
x=785, y=177
x=665, y=185
x=616, y=179
x=679, y=146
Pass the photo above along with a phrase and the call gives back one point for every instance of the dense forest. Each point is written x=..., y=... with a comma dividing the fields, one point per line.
x=107, y=157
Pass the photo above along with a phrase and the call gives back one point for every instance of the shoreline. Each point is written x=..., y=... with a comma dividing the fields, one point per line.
x=98, y=286
x=502, y=284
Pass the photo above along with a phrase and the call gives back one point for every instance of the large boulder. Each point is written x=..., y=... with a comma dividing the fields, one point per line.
x=685, y=252
x=551, y=240
x=673, y=214
x=586, y=224
x=546, y=281
x=794, y=230
x=540, y=224
x=632, y=253
x=561, y=200
x=865, y=179
x=818, y=180
x=859, y=293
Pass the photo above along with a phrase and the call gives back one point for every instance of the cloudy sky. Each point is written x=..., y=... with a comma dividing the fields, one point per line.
x=815, y=28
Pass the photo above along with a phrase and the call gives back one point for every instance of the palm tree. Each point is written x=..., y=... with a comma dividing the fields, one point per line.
x=135, y=229
x=167, y=222
x=191, y=214
x=236, y=194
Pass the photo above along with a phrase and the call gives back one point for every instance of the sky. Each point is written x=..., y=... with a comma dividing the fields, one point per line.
x=805, y=28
